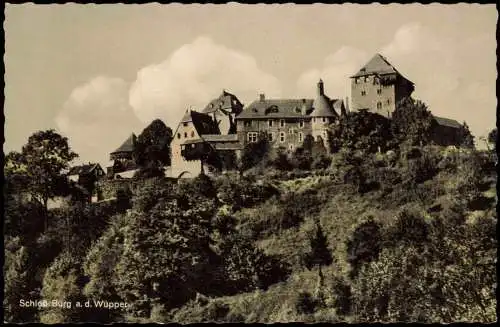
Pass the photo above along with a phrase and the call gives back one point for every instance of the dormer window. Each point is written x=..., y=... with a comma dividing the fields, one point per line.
x=211, y=105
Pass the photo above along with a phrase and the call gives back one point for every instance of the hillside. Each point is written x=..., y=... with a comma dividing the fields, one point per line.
x=345, y=242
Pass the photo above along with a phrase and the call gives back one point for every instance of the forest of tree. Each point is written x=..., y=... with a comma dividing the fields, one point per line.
x=383, y=227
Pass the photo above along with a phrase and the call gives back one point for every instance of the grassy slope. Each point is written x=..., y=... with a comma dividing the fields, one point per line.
x=341, y=212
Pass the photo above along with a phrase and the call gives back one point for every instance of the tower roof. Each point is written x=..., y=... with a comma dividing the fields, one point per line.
x=128, y=145
x=323, y=107
x=322, y=104
x=226, y=102
x=377, y=65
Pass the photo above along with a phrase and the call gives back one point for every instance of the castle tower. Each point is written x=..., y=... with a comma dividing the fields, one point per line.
x=322, y=115
x=378, y=87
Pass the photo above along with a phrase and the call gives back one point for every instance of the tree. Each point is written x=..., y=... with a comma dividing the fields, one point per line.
x=364, y=245
x=63, y=282
x=320, y=255
x=465, y=136
x=18, y=283
x=44, y=159
x=153, y=145
x=255, y=152
x=492, y=137
x=361, y=130
x=166, y=253
x=412, y=122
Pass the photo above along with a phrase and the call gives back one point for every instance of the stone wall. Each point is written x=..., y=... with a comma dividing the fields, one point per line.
x=109, y=187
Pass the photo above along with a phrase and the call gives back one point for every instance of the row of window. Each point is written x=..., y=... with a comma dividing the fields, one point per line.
x=379, y=104
x=376, y=80
x=253, y=136
x=185, y=134
x=379, y=92
x=282, y=123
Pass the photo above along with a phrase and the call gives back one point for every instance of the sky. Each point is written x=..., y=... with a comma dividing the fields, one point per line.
x=97, y=73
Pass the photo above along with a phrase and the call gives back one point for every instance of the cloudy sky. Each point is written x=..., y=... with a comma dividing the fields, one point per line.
x=96, y=73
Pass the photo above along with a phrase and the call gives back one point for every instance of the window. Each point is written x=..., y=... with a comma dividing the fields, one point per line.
x=270, y=122
x=388, y=101
x=270, y=136
x=301, y=137
x=363, y=92
x=324, y=120
x=282, y=123
x=247, y=123
x=301, y=124
x=282, y=137
x=185, y=124
x=178, y=135
x=379, y=91
x=379, y=105
x=192, y=134
x=252, y=137
x=356, y=80
x=367, y=78
x=185, y=135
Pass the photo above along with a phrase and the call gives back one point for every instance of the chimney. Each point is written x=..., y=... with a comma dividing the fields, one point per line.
x=262, y=97
x=304, y=108
x=347, y=104
x=321, y=90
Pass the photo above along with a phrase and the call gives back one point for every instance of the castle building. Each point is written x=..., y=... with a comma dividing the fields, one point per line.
x=123, y=163
x=206, y=139
x=378, y=87
x=287, y=122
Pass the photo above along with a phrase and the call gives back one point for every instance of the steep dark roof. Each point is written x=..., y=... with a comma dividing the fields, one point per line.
x=277, y=108
x=447, y=122
x=203, y=123
x=128, y=145
x=83, y=169
x=226, y=102
x=323, y=107
x=378, y=64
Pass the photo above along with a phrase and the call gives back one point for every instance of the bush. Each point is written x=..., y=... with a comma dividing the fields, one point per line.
x=305, y=303
x=364, y=245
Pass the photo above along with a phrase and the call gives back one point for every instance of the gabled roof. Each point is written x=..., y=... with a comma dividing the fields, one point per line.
x=128, y=145
x=83, y=169
x=447, y=122
x=226, y=102
x=277, y=108
x=377, y=65
x=203, y=123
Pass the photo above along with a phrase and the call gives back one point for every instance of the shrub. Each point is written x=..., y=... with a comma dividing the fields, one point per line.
x=341, y=296
x=305, y=303
x=409, y=228
x=364, y=245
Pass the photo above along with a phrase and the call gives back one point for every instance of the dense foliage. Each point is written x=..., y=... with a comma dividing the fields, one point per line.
x=407, y=233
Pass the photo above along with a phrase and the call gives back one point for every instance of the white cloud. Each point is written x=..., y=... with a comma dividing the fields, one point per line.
x=192, y=76
x=335, y=73
x=445, y=76
x=97, y=118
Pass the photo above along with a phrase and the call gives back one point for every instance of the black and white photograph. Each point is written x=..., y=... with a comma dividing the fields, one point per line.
x=250, y=163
